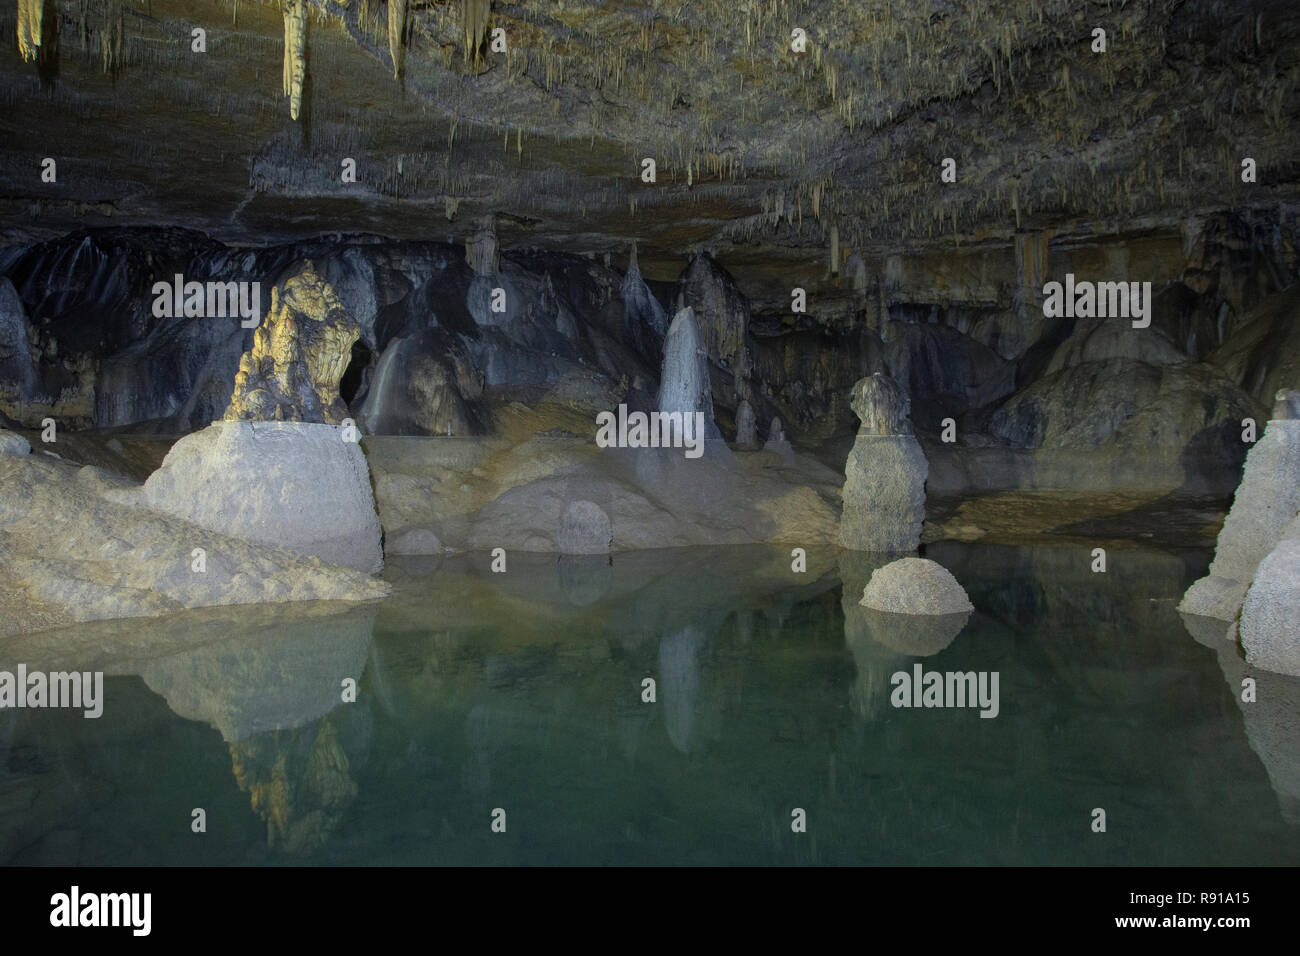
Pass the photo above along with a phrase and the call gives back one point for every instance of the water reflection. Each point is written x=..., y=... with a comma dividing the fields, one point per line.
x=523, y=690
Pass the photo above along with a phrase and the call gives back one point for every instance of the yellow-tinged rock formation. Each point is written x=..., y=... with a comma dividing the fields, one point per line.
x=299, y=353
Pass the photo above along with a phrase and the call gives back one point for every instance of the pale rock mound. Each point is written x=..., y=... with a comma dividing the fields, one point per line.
x=584, y=529
x=71, y=547
x=1270, y=615
x=293, y=485
x=1267, y=500
x=884, y=481
x=12, y=443
x=915, y=586
x=299, y=353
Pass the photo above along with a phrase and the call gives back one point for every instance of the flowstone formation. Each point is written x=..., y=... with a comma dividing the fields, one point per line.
x=299, y=354
x=684, y=384
x=884, y=478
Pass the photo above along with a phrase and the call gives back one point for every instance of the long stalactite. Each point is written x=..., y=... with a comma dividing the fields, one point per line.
x=396, y=33
x=295, y=52
x=474, y=19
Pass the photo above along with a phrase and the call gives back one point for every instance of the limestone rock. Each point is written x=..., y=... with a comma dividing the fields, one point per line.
x=481, y=248
x=292, y=485
x=684, y=384
x=17, y=372
x=413, y=541
x=299, y=353
x=1266, y=501
x=13, y=444
x=884, y=480
x=584, y=529
x=1270, y=615
x=643, y=316
x=424, y=384
x=882, y=406
x=1286, y=403
x=915, y=586
x=80, y=548
x=746, y=426
x=722, y=310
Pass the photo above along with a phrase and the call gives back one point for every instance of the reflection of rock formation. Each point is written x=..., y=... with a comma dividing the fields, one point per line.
x=881, y=641
x=584, y=578
x=299, y=781
x=285, y=677
x=1270, y=718
x=679, y=682
x=277, y=699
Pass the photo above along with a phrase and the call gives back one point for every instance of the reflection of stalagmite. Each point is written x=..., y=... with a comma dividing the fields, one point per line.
x=29, y=27
x=679, y=669
x=299, y=781
x=295, y=52
x=396, y=29
x=1269, y=718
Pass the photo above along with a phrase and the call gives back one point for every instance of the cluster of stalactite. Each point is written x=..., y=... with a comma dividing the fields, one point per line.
x=295, y=52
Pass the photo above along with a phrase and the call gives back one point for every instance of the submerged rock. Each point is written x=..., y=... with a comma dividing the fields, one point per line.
x=295, y=485
x=1266, y=501
x=299, y=353
x=915, y=586
x=884, y=480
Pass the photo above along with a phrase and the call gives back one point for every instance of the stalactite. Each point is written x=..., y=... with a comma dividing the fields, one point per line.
x=111, y=36
x=474, y=19
x=29, y=27
x=396, y=33
x=295, y=52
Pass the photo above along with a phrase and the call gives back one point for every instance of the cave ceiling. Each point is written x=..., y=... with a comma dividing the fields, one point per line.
x=762, y=152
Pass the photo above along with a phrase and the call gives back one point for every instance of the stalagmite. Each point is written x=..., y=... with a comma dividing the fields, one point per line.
x=29, y=27
x=295, y=52
x=396, y=31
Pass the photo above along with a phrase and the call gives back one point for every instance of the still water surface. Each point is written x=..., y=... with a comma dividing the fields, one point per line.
x=523, y=692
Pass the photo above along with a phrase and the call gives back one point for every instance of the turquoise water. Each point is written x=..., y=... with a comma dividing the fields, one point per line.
x=523, y=691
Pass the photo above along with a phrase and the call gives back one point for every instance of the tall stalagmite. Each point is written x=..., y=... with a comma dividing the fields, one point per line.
x=295, y=52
